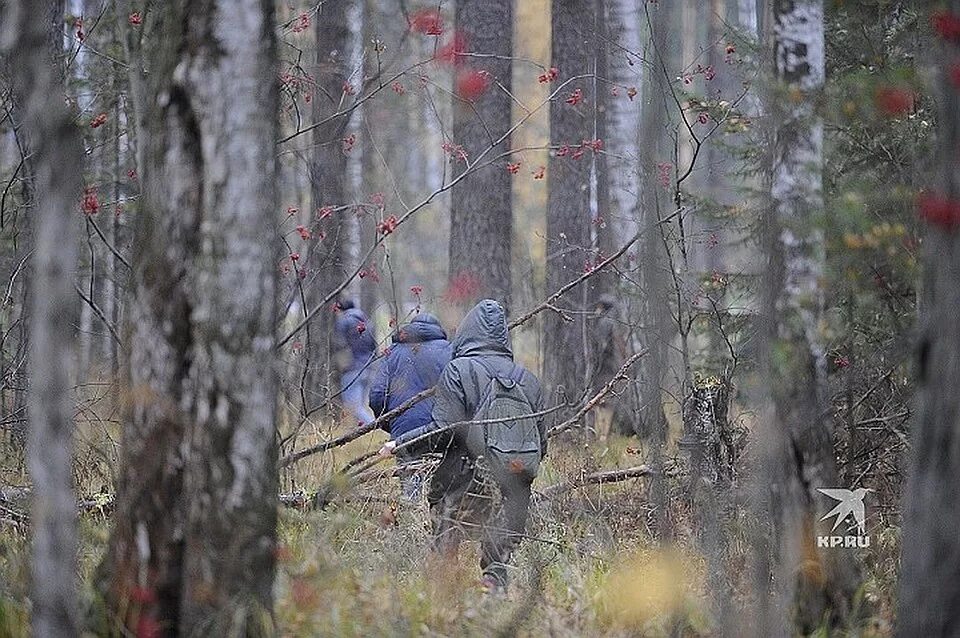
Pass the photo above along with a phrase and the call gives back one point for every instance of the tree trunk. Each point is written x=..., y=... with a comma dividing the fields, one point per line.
x=929, y=591
x=568, y=204
x=57, y=158
x=605, y=220
x=805, y=456
x=481, y=217
x=328, y=177
x=376, y=115
x=196, y=506
x=654, y=303
x=748, y=16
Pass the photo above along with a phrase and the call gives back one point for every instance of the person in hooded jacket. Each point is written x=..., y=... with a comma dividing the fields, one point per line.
x=416, y=358
x=354, y=347
x=462, y=492
x=607, y=343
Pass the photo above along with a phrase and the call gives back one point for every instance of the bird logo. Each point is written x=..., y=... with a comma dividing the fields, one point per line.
x=851, y=502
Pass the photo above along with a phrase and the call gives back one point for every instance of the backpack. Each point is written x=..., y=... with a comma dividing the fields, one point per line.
x=511, y=446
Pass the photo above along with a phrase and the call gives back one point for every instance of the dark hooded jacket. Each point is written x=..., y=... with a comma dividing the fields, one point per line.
x=419, y=352
x=481, y=349
x=354, y=335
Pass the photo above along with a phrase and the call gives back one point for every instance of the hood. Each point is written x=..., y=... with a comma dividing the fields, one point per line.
x=354, y=314
x=483, y=331
x=424, y=327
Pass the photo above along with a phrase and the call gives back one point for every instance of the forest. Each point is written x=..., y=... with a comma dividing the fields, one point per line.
x=479, y=318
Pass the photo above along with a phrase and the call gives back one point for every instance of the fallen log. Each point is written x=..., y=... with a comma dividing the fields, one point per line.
x=597, y=478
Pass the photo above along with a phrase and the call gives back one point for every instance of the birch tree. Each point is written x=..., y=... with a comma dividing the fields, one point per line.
x=32, y=31
x=193, y=542
x=805, y=457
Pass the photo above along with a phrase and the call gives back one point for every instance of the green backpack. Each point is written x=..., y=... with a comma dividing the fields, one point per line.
x=511, y=445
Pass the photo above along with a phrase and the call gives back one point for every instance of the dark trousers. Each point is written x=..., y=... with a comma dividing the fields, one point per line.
x=466, y=501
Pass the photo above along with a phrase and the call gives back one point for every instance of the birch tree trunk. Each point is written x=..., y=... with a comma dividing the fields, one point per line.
x=481, y=213
x=605, y=219
x=824, y=578
x=622, y=113
x=747, y=16
x=929, y=591
x=568, y=183
x=192, y=547
x=31, y=37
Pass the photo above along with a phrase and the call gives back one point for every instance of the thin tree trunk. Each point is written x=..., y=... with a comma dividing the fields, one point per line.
x=929, y=591
x=605, y=221
x=56, y=162
x=111, y=224
x=650, y=421
x=805, y=456
x=192, y=547
x=568, y=205
x=376, y=114
x=325, y=262
x=481, y=217
x=748, y=16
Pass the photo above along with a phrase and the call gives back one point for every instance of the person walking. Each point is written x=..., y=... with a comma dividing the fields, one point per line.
x=416, y=358
x=487, y=418
x=607, y=343
x=354, y=354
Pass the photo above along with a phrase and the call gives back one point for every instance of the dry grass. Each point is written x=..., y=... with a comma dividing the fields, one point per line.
x=360, y=567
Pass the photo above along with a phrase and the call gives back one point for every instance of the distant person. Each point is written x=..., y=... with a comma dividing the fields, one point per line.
x=418, y=354
x=608, y=351
x=354, y=354
x=483, y=463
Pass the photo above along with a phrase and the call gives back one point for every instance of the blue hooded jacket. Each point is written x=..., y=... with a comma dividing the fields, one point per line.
x=419, y=352
x=361, y=343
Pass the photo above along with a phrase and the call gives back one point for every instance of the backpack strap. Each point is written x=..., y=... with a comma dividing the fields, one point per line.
x=516, y=373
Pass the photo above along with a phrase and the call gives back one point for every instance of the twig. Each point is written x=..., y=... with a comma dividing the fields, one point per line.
x=99, y=313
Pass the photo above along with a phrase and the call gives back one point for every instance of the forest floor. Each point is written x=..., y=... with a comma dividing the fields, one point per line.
x=590, y=567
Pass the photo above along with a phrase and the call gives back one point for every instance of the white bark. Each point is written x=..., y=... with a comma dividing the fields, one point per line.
x=196, y=510
x=747, y=16
x=233, y=380
x=804, y=459
x=797, y=177
x=623, y=128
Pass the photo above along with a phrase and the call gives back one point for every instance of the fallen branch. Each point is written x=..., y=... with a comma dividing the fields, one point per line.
x=597, y=478
x=356, y=433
